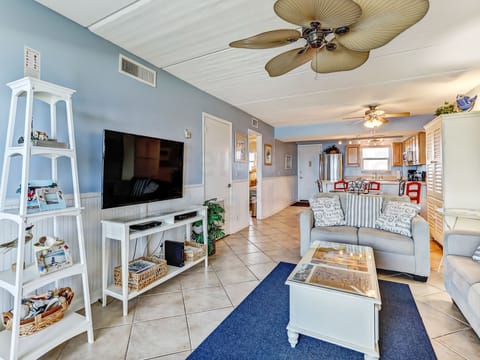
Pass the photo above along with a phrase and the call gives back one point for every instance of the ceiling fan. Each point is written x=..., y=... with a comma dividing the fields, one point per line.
x=375, y=117
x=339, y=34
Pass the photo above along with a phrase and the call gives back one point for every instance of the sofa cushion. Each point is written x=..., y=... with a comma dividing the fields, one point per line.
x=343, y=234
x=386, y=241
x=363, y=210
x=389, y=197
x=397, y=217
x=476, y=255
x=327, y=211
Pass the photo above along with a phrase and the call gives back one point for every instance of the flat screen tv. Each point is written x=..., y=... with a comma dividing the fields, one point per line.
x=139, y=169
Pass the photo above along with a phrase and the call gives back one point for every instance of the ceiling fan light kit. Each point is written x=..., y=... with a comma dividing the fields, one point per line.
x=339, y=34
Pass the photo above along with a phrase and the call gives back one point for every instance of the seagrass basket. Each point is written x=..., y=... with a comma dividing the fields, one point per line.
x=143, y=279
x=43, y=320
x=193, y=255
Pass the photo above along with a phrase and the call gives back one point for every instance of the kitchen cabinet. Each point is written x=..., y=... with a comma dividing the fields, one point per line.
x=397, y=154
x=414, y=147
x=452, y=167
x=420, y=154
x=352, y=154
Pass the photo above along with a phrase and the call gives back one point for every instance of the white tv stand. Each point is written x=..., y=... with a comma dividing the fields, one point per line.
x=119, y=229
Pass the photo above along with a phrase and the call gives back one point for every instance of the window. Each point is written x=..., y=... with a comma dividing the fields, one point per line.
x=376, y=158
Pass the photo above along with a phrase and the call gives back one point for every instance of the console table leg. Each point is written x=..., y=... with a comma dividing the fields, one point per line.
x=292, y=338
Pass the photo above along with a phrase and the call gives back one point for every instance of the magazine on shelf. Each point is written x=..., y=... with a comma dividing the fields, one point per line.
x=139, y=266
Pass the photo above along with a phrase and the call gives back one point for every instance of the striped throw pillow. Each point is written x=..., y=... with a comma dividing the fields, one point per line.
x=327, y=211
x=476, y=255
x=363, y=210
x=397, y=217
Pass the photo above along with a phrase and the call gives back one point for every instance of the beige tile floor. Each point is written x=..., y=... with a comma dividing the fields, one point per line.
x=172, y=319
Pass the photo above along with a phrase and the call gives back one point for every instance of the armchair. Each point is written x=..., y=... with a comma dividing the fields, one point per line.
x=462, y=274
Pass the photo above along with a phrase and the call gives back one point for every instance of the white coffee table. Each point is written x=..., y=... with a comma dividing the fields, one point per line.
x=334, y=296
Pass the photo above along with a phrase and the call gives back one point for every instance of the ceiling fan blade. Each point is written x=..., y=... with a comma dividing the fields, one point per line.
x=400, y=114
x=330, y=13
x=269, y=39
x=340, y=59
x=381, y=21
x=287, y=61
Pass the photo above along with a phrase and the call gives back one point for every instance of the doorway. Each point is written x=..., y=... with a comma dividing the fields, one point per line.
x=255, y=174
x=217, y=163
x=308, y=170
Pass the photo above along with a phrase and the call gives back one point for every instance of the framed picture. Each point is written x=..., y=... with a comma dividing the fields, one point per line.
x=240, y=147
x=267, y=154
x=288, y=161
x=53, y=258
x=50, y=198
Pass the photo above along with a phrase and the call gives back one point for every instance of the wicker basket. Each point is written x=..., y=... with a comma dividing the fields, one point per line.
x=44, y=320
x=194, y=255
x=143, y=279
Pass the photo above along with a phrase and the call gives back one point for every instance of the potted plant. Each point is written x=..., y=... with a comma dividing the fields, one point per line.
x=215, y=221
x=447, y=108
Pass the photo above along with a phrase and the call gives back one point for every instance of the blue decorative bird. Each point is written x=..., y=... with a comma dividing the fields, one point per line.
x=465, y=103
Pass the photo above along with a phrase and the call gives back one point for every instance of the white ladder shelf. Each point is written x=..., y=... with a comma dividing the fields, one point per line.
x=24, y=281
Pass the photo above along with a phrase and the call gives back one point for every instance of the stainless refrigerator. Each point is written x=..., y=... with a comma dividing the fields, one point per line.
x=331, y=167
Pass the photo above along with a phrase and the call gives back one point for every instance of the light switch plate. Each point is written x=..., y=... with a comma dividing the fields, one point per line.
x=31, y=62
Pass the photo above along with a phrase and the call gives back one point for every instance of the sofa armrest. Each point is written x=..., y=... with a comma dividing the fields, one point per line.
x=306, y=225
x=421, y=243
x=461, y=243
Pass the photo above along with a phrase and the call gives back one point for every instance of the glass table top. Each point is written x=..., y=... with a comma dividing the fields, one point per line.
x=343, y=267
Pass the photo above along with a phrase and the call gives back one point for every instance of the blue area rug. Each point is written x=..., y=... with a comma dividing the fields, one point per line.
x=256, y=329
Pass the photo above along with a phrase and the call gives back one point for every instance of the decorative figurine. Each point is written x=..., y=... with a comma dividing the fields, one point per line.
x=466, y=103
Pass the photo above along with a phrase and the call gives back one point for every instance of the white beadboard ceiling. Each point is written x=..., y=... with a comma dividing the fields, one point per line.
x=429, y=63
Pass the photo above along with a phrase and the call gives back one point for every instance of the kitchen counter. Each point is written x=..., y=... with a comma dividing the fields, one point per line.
x=389, y=187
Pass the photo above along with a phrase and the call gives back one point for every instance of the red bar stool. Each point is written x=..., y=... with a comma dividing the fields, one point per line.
x=374, y=185
x=412, y=190
x=340, y=185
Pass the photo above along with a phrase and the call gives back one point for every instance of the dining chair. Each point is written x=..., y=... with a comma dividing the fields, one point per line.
x=401, y=187
x=340, y=185
x=374, y=185
x=412, y=190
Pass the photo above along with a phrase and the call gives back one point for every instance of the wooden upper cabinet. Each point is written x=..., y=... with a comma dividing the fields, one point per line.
x=421, y=154
x=397, y=154
x=415, y=149
x=352, y=155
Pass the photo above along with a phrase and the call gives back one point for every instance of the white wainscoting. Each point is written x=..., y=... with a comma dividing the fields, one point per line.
x=239, y=212
x=277, y=193
x=92, y=215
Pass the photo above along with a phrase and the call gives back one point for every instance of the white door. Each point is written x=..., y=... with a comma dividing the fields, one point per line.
x=308, y=170
x=217, y=145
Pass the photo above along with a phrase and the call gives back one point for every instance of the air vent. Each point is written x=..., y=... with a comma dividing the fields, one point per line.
x=255, y=123
x=137, y=71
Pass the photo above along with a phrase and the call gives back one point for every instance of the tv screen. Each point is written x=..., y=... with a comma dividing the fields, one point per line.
x=138, y=169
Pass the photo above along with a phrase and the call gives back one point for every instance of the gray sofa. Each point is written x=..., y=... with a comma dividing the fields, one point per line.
x=462, y=274
x=392, y=251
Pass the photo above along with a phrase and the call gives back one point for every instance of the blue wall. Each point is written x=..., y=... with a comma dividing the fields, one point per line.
x=74, y=57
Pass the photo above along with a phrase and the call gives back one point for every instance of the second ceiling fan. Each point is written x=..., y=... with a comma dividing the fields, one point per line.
x=339, y=34
x=375, y=117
